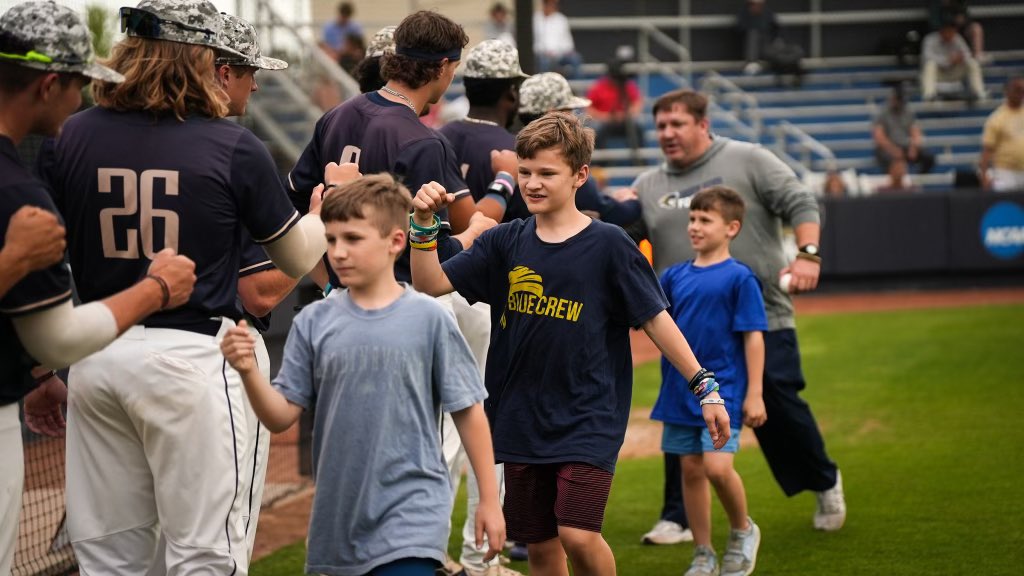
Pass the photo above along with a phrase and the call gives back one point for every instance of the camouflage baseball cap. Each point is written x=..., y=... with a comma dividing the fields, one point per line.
x=548, y=91
x=196, y=22
x=493, y=59
x=241, y=36
x=48, y=36
x=383, y=42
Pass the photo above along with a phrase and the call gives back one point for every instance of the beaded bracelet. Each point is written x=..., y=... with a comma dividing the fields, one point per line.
x=44, y=377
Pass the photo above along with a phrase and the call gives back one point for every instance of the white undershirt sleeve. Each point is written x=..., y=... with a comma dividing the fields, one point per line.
x=300, y=248
x=62, y=335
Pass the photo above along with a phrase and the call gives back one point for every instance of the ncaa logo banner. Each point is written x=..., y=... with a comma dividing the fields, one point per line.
x=1002, y=230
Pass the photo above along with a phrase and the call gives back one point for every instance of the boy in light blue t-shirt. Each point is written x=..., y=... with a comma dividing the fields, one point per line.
x=716, y=301
x=379, y=361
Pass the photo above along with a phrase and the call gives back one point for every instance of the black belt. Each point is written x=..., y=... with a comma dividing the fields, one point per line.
x=208, y=326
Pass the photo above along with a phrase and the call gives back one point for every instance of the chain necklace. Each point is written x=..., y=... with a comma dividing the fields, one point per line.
x=479, y=121
x=398, y=94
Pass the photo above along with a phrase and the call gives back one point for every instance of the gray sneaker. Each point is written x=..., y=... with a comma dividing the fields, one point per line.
x=705, y=563
x=741, y=552
x=831, y=512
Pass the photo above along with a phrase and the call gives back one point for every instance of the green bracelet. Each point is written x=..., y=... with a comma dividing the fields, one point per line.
x=425, y=230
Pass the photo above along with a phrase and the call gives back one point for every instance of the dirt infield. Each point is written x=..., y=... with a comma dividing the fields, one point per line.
x=286, y=522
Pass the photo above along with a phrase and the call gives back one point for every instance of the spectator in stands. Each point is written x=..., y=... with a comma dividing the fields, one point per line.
x=898, y=180
x=761, y=41
x=352, y=53
x=552, y=41
x=955, y=11
x=1002, y=156
x=834, y=186
x=945, y=57
x=615, y=103
x=337, y=32
x=499, y=27
x=898, y=136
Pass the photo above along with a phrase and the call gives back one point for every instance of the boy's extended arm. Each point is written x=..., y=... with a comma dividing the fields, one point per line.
x=476, y=438
x=667, y=337
x=754, y=414
x=270, y=406
x=427, y=275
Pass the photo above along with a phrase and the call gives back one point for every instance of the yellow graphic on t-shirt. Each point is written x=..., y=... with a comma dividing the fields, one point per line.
x=526, y=296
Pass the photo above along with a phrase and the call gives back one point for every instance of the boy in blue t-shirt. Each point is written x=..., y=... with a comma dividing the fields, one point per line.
x=717, y=302
x=379, y=361
x=564, y=291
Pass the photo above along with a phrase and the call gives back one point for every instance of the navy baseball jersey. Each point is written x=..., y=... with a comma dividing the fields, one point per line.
x=473, y=143
x=131, y=184
x=379, y=136
x=39, y=290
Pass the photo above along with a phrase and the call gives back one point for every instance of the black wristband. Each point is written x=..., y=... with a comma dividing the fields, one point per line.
x=699, y=377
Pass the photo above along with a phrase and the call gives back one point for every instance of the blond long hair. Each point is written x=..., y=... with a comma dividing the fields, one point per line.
x=162, y=76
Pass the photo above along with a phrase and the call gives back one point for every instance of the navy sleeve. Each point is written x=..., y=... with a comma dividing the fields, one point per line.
x=452, y=179
x=589, y=197
x=307, y=172
x=41, y=289
x=253, y=257
x=469, y=271
x=46, y=168
x=635, y=288
x=263, y=204
x=424, y=161
x=749, y=314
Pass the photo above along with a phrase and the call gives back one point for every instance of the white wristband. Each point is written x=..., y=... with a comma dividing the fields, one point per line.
x=712, y=401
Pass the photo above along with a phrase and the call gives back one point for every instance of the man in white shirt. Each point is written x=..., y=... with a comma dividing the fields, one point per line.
x=552, y=42
x=945, y=57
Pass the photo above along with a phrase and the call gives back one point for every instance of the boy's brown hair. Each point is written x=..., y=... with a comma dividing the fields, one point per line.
x=561, y=130
x=426, y=33
x=696, y=103
x=721, y=199
x=391, y=203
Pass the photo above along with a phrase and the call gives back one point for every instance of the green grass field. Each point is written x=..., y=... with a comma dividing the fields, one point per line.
x=921, y=409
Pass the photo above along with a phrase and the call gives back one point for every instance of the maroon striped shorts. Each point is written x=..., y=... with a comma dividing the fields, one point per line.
x=541, y=497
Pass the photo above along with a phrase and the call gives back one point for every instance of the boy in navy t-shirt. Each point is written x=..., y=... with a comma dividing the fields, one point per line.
x=564, y=290
x=717, y=302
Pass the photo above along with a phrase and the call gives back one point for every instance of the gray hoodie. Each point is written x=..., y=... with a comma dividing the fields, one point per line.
x=772, y=194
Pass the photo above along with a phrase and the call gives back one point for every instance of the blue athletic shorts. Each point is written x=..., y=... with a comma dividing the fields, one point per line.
x=677, y=439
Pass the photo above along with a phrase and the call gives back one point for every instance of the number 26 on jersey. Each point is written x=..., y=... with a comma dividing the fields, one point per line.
x=120, y=239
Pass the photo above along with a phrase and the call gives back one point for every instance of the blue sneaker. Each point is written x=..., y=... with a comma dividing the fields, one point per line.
x=741, y=552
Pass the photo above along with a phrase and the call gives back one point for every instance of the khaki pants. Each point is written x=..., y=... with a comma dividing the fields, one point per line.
x=932, y=74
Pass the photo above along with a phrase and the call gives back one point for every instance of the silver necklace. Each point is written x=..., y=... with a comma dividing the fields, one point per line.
x=479, y=121
x=398, y=94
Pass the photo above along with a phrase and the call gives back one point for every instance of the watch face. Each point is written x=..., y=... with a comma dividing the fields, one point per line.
x=811, y=249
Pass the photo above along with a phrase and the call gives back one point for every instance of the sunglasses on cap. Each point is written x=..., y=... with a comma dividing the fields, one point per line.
x=147, y=24
x=13, y=48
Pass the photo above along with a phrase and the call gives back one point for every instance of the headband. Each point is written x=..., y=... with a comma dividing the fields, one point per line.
x=454, y=54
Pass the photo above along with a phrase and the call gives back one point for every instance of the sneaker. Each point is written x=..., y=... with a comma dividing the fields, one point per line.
x=449, y=568
x=490, y=571
x=705, y=563
x=518, y=552
x=741, y=552
x=667, y=532
x=831, y=512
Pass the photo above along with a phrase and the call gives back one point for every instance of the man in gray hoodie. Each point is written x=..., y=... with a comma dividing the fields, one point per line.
x=694, y=160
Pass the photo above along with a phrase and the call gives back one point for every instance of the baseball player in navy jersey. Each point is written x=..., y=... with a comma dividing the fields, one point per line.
x=45, y=60
x=381, y=132
x=157, y=429
x=550, y=91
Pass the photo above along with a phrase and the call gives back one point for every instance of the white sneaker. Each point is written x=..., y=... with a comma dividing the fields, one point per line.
x=705, y=563
x=490, y=571
x=741, y=553
x=831, y=512
x=667, y=532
